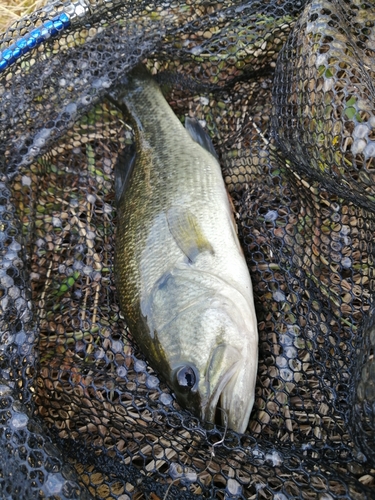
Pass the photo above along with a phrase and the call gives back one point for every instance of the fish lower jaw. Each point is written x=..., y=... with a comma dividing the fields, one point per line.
x=236, y=404
x=238, y=418
x=232, y=418
x=215, y=402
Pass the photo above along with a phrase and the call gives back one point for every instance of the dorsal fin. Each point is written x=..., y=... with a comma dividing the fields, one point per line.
x=199, y=135
x=123, y=169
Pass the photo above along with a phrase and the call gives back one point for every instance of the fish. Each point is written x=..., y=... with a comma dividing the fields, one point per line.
x=183, y=283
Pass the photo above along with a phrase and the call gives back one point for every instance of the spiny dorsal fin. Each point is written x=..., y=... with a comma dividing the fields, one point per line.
x=123, y=169
x=199, y=135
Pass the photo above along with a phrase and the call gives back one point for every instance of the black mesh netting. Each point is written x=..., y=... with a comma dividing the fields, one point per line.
x=286, y=91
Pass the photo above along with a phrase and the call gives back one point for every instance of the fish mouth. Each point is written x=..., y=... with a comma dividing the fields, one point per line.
x=220, y=379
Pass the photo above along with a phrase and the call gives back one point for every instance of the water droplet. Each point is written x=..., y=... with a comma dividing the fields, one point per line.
x=19, y=421
x=360, y=131
x=116, y=346
x=139, y=366
x=26, y=180
x=286, y=374
x=20, y=338
x=278, y=296
x=346, y=263
x=233, y=487
x=152, y=382
x=271, y=215
x=165, y=399
x=122, y=371
x=54, y=483
x=4, y=389
x=275, y=458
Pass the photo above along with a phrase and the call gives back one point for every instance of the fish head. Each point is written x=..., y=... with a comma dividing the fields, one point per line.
x=205, y=344
x=219, y=374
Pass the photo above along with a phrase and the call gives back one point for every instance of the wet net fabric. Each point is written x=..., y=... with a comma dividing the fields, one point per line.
x=286, y=91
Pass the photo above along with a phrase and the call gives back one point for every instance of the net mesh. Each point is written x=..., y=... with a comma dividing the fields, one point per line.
x=285, y=90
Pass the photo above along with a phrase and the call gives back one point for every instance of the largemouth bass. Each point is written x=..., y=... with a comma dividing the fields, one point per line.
x=183, y=283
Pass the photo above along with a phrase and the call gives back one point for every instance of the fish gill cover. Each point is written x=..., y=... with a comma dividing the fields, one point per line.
x=285, y=90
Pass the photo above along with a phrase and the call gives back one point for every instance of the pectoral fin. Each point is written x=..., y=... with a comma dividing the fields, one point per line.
x=185, y=229
x=199, y=135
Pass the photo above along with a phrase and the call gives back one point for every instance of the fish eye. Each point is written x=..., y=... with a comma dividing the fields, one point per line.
x=186, y=377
